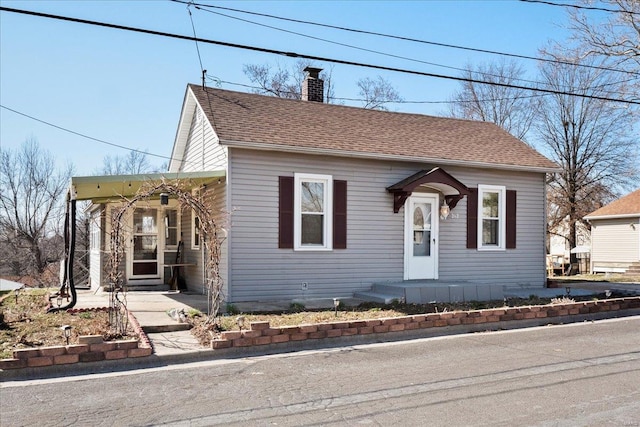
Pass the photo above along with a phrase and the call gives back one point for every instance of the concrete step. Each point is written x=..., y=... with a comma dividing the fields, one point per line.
x=383, y=288
x=377, y=297
x=172, y=327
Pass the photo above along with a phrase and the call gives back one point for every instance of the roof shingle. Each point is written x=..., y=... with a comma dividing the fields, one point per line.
x=280, y=123
x=627, y=205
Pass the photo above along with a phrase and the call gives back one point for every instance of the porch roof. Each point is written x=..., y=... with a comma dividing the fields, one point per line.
x=104, y=188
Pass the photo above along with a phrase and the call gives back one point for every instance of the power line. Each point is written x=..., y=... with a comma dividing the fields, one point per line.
x=384, y=101
x=377, y=52
x=310, y=57
x=577, y=6
x=85, y=136
x=391, y=36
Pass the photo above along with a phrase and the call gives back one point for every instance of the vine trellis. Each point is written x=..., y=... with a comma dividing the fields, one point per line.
x=210, y=237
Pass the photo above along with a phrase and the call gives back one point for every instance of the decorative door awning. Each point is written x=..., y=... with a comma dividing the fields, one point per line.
x=436, y=178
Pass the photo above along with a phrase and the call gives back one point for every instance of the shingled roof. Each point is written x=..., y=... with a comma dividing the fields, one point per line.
x=251, y=120
x=626, y=206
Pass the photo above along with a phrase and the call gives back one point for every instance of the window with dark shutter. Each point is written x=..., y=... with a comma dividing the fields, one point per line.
x=286, y=214
x=491, y=222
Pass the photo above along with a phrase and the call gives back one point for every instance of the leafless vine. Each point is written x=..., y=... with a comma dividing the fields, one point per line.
x=211, y=238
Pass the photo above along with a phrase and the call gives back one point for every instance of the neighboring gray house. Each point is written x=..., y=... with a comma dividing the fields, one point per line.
x=615, y=236
x=325, y=200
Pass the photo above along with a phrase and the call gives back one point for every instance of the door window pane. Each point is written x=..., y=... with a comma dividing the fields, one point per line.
x=144, y=221
x=422, y=230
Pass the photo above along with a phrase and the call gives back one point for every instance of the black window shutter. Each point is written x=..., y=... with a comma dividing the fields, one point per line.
x=511, y=219
x=472, y=219
x=285, y=213
x=339, y=214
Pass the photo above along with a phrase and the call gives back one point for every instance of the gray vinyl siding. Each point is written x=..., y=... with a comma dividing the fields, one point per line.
x=259, y=271
x=194, y=274
x=202, y=151
x=614, y=243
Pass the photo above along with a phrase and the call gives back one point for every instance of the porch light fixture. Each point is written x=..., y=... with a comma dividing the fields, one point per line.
x=336, y=303
x=240, y=320
x=59, y=300
x=66, y=330
x=164, y=199
x=444, y=210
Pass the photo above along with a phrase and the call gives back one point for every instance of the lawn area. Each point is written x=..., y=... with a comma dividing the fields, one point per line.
x=26, y=323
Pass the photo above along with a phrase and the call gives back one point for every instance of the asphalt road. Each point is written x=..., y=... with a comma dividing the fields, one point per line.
x=584, y=374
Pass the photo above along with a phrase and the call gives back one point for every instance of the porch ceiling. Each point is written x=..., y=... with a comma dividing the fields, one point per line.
x=109, y=187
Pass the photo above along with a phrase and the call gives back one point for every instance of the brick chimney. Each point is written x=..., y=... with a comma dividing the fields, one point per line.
x=313, y=85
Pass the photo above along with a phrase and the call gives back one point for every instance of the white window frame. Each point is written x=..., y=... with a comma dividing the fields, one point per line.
x=95, y=233
x=327, y=225
x=502, y=216
x=195, y=229
x=177, y=227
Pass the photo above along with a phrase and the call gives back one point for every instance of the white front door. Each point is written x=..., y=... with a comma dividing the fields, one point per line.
x=143, y=259
x=421, y=237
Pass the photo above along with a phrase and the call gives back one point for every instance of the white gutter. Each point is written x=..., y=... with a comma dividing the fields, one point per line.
x=375, y=156
x=631, y=215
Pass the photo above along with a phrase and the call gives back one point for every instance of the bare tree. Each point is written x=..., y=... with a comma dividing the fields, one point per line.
x=31, y=193
x=616, y=38
x=285, y=82
x=377, y=92
x=589, y=138
x=133, y=163
x=510, y=108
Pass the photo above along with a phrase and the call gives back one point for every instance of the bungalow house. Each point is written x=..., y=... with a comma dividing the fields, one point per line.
x=615, y=236
x=325, y=201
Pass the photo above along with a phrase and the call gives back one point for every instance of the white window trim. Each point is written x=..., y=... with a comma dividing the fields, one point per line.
x=178, y=226
x=193, y=232
x=327, y=180
x=502, y=216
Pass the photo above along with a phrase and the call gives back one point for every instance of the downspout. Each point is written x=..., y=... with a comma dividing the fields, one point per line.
x=67, y=286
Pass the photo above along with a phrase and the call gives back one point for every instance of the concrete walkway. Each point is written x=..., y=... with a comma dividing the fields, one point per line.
x=172, y=338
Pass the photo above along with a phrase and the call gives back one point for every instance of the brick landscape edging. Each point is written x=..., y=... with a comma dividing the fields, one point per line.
x=90, y=349
x=261, y=333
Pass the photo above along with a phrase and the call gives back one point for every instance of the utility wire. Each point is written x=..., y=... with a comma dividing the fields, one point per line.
x=391, y=36
x=102, y=141
x=377, y=52
x=214, y=79
x=577, y=6
x=476, y=72
x=304, y=56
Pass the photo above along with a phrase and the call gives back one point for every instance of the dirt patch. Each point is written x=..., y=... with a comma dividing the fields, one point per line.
x=26, y=323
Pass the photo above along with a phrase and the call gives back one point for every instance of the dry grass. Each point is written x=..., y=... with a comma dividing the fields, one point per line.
x=297, y=315
x=27, y=324
x=613, y=277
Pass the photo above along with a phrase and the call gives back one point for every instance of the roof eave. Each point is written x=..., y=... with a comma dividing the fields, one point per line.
x=378, y=156
x=619, y=216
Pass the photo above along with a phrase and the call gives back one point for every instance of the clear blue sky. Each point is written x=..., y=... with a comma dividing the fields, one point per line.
x=127, y=88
